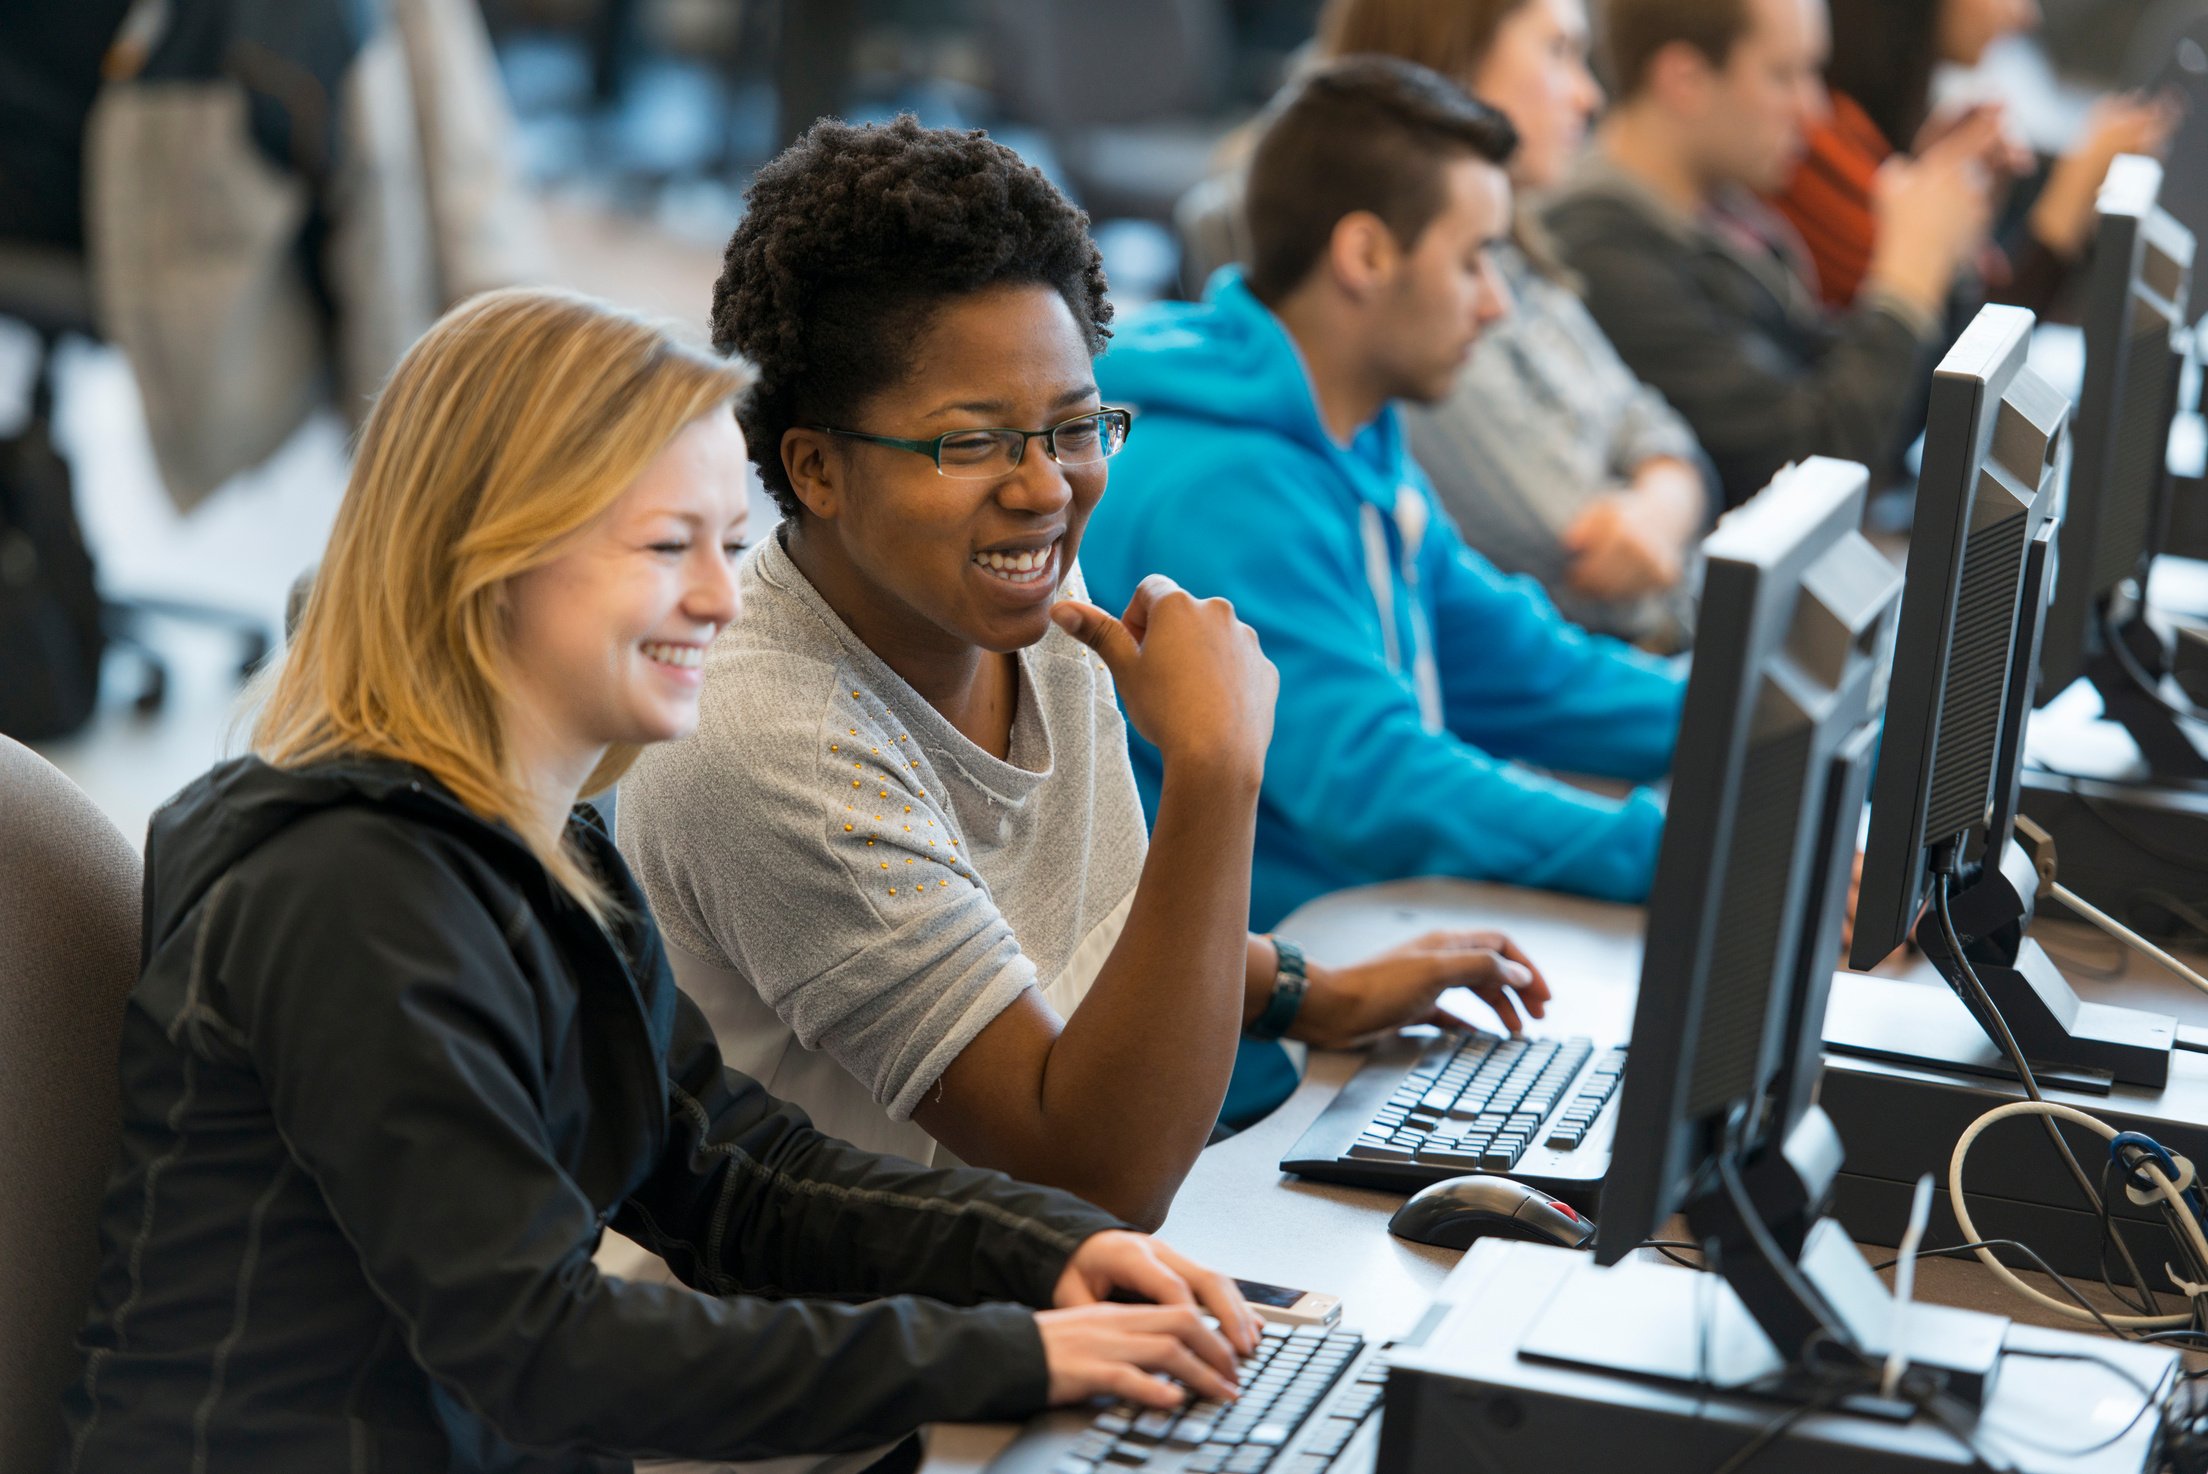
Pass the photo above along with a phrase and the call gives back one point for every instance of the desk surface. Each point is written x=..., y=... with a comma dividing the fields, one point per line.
x=1238, y=1213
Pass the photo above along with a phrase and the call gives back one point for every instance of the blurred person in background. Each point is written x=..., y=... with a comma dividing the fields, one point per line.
x=1879, y=78
x=1702, y=287
x=1423, y=693
x=1553, y=457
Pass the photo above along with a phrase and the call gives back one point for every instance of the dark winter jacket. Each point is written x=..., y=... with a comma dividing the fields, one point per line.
x=383, y=1087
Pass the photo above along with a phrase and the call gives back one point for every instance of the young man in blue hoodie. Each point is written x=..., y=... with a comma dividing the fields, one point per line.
x=1421, y=692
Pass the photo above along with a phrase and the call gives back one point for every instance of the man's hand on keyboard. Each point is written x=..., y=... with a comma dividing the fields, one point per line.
x=1350, y=1006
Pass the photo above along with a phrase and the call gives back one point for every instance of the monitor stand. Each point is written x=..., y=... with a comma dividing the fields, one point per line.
x=1498, y=1378
x=2067, y=1040
x=2131, y=834
x=1795, y=1302
x=2166, y=745
x=1991, y=905
x=2124, y=841
x=1680, y=1329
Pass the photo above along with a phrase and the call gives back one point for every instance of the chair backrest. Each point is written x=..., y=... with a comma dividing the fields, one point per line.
x=46, y=287
x=1066, y=65
x=1214, y=230
x=69, y=918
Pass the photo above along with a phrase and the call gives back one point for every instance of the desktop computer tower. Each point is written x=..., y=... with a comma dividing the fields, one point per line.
x=1901, y=1120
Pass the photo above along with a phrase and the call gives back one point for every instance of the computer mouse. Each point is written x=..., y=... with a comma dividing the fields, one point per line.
x=1451, y=1214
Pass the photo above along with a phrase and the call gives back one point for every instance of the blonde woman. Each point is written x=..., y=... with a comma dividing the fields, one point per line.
x=406, y=1041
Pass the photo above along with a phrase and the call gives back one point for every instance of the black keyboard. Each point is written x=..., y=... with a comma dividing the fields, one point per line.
x=1421, y=1110
x=1307, y=1396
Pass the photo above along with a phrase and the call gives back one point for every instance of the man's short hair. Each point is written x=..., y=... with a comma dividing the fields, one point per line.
x=1367, y=133
x=1633, y=31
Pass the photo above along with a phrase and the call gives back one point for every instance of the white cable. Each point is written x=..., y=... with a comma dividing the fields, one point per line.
x=1905, y=1286
x=2126, y=935
x=2183, y=1212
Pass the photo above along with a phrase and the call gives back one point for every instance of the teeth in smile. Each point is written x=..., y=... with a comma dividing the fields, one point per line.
x=1018, y=567
x=688, y=657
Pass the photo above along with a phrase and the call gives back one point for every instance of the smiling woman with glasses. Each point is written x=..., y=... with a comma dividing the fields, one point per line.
x=903, y=864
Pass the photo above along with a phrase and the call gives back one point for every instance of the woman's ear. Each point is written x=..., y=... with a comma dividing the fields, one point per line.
x=815, y=470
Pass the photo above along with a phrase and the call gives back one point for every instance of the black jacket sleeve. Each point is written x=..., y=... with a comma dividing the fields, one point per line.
x=399, y=1043
x=1752, y=403
x=748, y=1197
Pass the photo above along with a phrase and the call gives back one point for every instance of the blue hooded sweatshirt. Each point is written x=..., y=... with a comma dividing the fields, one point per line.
x=1420, y=690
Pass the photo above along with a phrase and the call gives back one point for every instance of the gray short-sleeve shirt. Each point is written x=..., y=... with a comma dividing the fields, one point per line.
x=851, y=889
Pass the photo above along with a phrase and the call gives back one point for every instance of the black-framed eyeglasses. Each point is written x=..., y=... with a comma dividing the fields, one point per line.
x=980, y=454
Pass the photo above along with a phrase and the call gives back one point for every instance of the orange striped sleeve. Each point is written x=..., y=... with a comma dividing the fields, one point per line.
x=1828, y=201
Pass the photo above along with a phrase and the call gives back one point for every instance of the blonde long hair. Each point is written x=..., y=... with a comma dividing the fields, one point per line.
x=512, y=424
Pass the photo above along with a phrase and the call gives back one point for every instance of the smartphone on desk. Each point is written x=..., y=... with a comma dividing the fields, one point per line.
x=1283, y=1306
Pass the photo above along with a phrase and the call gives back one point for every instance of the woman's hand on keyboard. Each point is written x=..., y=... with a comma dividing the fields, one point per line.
x=1349, y=1006
x=1128, y=1352
x=1120, y=1265
x=1124, y=1350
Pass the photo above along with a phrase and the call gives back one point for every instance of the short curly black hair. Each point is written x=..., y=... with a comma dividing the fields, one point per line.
x=853, y=237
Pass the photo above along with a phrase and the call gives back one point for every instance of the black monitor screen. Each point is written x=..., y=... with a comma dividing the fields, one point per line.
x=1994, y=449
x=2112, y=507
x=1752, y=870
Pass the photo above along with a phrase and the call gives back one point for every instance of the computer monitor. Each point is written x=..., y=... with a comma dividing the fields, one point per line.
x=1944, y=802
x=2184, y=75
x=1744, y=919
x=2114, y=509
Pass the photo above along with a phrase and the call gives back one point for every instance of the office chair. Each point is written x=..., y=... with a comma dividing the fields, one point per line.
x=1128, y=94
x=69, y=911
x=50, y=291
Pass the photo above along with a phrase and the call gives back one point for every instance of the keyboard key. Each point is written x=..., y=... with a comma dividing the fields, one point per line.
x=1153, y=1425
x=1332, y=1436
x=1129, y=1455
x=1306, y=1463
x=1071, y=1465
x=1209, y=1459
x=1250, y=1458
x=1115, y=1420
x=1189, y=1432
x=1498, y=1159
x=1364, y=1151
x=1273, y=1434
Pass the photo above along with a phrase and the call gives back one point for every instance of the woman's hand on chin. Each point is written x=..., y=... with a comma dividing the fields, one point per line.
x=1191, y=675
